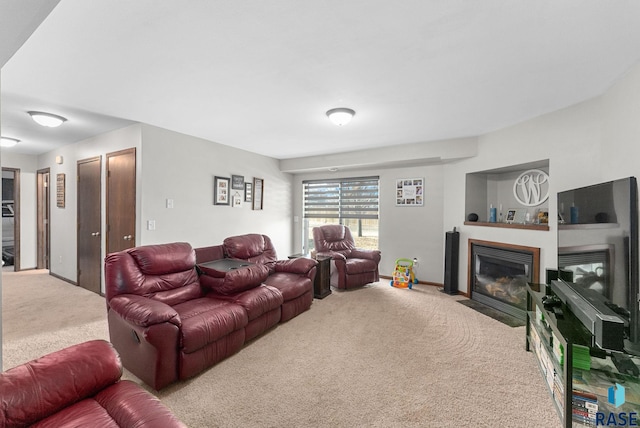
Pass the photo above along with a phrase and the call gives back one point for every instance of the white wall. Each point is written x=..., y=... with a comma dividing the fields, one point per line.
x=180, y=167
x=28, y=165
x=63, y=221
x=621, y=128
x=169, y=165
x=404, y=232
x=594, y=141
x=591, y=142
x=174, y=166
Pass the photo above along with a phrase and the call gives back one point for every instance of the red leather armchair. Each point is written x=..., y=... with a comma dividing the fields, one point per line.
x=164, y=324
x=350, y=267
x=78, y=386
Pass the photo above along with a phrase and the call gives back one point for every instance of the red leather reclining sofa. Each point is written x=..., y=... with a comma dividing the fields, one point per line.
x=78, y=386
x=170, y=320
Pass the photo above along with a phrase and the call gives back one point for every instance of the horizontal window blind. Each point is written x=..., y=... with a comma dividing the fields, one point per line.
x=342, y=198
x=583, y=258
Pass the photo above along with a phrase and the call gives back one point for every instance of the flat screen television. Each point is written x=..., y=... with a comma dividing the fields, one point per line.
x=598, y=254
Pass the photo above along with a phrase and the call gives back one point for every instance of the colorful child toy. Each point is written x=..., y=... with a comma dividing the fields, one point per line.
x=403, y=276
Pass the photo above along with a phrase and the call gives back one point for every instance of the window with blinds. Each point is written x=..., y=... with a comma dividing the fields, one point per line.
x=352, y=202
x=340, y=199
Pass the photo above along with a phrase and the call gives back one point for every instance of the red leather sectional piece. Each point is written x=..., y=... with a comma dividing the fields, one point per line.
x=170, y=320
x=78, y=386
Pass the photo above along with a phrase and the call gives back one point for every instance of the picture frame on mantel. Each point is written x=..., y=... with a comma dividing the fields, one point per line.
x=515, y=216
x=409, y=192
x=258, y=193
x=221, y=190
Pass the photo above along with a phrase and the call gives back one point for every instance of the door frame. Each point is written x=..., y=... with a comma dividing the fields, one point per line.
x=16, y=216
x=43, y=204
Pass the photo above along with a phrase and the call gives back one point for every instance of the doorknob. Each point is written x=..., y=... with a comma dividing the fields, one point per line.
x=127, y=237
x=95, y=234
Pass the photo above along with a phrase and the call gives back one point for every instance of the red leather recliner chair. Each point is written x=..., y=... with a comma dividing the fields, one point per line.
x=78, y=386
x=350, y=267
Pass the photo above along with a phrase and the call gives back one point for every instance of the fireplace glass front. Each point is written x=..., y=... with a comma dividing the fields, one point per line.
x=500, y=275
x=503, y=280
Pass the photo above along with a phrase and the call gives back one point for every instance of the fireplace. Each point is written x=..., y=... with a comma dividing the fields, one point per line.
x=499, y=273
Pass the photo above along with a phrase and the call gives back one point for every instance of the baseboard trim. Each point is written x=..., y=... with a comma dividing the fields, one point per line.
x=62, y=278
x=435, y=284
x=25, y=269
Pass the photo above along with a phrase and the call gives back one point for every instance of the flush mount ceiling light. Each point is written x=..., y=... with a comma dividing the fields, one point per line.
x=47, y=119
x=340, y=116
x=8, y=142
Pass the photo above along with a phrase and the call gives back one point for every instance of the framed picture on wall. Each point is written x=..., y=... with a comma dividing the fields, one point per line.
x=237, y=182
x=236, y=199
x=409, y=192
x=60, y=190
x=248, y=192
x=258, y=193
x=221, y=190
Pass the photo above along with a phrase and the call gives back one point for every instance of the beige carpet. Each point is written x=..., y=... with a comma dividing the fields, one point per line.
x=373, y=357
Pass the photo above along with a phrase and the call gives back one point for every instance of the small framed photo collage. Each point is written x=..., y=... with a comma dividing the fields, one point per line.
x=235, y=190
x=409, y=192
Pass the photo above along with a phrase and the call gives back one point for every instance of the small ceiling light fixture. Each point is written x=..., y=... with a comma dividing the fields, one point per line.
x=47, y=119
x=341, y=116
x=8, y=142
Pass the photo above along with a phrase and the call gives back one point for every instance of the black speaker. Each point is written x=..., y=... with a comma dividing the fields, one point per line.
x=451, y=258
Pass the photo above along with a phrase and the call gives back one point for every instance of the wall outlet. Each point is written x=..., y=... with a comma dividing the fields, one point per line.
x=415, y=261
x=169, y=203
x=151, y=225
x=60, y=261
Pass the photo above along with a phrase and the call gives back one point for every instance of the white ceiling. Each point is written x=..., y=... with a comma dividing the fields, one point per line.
x=18, y=20
x=260, y=75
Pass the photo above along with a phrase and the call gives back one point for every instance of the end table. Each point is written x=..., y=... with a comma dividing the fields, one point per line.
x=322, y=283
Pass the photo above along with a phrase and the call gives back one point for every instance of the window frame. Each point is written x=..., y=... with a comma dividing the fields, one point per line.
x=339, y=199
